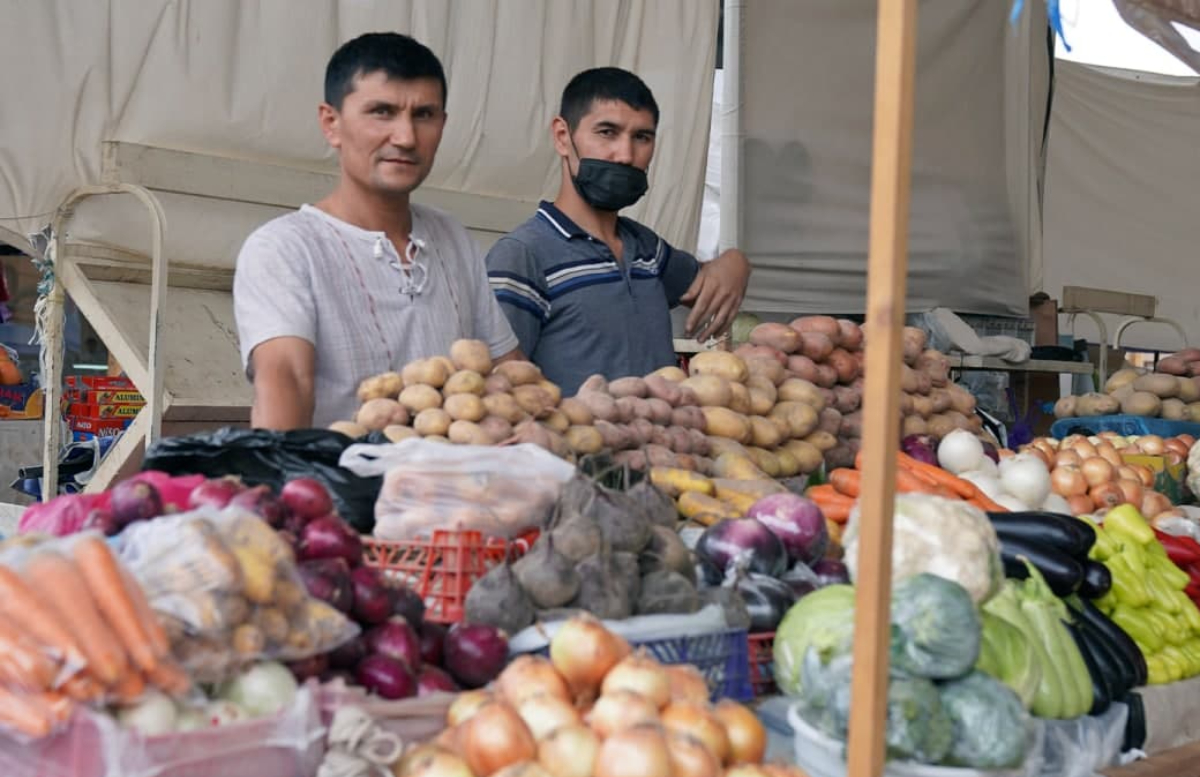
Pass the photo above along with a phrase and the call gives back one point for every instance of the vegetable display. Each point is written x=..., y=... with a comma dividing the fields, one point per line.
x=1172, y=393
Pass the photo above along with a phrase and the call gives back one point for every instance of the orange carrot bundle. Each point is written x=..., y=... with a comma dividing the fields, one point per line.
x=30, y=614
x=102, y=574
x=23, y=664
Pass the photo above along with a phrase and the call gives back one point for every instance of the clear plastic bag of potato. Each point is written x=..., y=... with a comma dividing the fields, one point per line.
x=225, y=585
x=499, y=491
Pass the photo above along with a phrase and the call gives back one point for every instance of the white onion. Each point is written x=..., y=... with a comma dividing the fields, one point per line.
x=1056, y=504
x=960, y=451
x=1026, y=477
x=988, y=467
x=1010, y=502
x=989, y=484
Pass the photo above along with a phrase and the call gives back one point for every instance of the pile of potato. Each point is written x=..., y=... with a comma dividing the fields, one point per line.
x=1185, y=363
x=1137, y=392
x=827, y=354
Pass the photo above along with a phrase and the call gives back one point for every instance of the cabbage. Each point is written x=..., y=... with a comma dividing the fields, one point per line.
x=1007, y=655
x=824, y=619
x=936, y=629
x=990, y=725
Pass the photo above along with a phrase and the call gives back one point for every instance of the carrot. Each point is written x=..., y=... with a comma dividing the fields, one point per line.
x=985, y=503
x=836, y=512
x=30, y=614
x=26, y=713
x=81, y=686
x=129, y=688
x=910, y=483
x=846, y=481
x=67, y=592
x=103, y=577
x=963, y=489
x=153, y=627
x=168, y=676
x=827, y=493
x=23, y=664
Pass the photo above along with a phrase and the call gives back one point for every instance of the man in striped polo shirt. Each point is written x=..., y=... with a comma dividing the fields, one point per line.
x=586, y=290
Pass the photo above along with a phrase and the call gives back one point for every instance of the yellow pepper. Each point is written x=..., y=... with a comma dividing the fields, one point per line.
x=1173, y=578
x=1127, y=522
x=1156, y=671
x=1141, y=626
x=1188, y=611
x=1104, y=546
x=1162, y=596
x=1128, y=584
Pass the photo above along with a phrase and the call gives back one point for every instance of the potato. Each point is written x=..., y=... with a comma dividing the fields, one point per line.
x=844, y=364
x=497, y=384
x=1142, y=403
x=496, y=428
x=765, y=460
x=802, y=367
x=767, y=369
x=961, y=400
x=584, y=440
x=465, y=382
x=799, y=390
x=737, y=466
x=746, y=352
x=808, y=456
x=912, y=343
x=533, y=399
x=428, y=372
x=915, y=424
x=438, y=438
x=473, y=355
x=781, y=337
x=720, y=445
x=764, y=433
x=924, y=383
x=671, y=373
x=1172, y=365
x=576, y=411
x=1065, y=407
x=603, y=406
x=847, y=399
x=851, y=335
x=1161, y=386
x=723, y=422
x=826, y=376
x=688, y=416
x=688, y=397
x=660, y=411
x=801, y=418
x=375, y=414
x=628, y=387
x=921, y=406
x=465, y=407
x=674, y=437
x=432, y=421
x=739, y=398
x=661, y=388
x=1174, y=409
x=829, y=420
x=906, y=403
x=789, y=465
x=1193, y=412
x=642, y=430
x=821, y=440
x=552, y=389
x=398, y=433
x=519, y=373
x=824, y=325
x=934, y=363
x=720, y=363
x=941, y=400
x=851, y=426
x=637, y=460
x=1188, y=354
x=1189, y=390
x=710, y=390
x=349, y=428
x=817, y=346
x=557, y=421
x=1093, y=404
x=626, y=409
x=1123, y=377
x=504, y=406
x=701, y=443
x=659, y=456
x=420, y=396
x=761, y=401
x=468, y=433
x=385, y=386
x=908, y=379
x=615, y=437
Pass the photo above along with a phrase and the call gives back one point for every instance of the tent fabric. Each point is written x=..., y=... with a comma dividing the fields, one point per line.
x=807, y=97
x=243, y=80
x=1120, y=193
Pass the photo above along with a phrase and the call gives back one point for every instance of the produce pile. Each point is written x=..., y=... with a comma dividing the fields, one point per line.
x=594, y=707
x=827, y=354
x=941, y=709
x=1181, y=363
x=1138, y=392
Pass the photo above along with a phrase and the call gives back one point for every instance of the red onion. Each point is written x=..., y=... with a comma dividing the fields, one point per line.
x=261, y=501
x=134, y=500
x=330, y=537
x=328, y=580
x=796, y=521
x=306, y=497
x=922, y=447
x=433, y=636
x=387, y=677
x=396, y=639
x=101, y=520
x=474, y=653
x=434, y=680
x=215, y=493
x=830, y=571
x=990, y=451
x=408, y=604
x=742, y=538
x=349, y=654
x=372, y=596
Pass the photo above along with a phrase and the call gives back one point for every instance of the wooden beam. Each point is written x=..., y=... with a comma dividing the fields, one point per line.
x=887, y=268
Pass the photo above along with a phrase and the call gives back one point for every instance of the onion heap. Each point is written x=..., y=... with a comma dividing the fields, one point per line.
x=594, y=708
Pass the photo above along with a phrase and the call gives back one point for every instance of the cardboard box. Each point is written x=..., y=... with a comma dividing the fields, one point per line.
x=78, y=410
x=1168, y=479
x=22, y=402
x=99, y=382
x=103, y=397
x=97, y=427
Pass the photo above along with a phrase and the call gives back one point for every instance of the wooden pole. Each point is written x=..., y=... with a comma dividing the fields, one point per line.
x=887, y=268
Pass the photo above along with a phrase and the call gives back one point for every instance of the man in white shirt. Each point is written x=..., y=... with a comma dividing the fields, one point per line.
x=363, y=281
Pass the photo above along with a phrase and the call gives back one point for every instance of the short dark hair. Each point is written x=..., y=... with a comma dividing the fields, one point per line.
x=397, y=55
x=603, y=84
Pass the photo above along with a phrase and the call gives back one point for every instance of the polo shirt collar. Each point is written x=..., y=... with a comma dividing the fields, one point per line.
x=559, y=221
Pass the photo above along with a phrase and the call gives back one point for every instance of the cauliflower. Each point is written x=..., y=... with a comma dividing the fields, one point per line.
x=944, y=537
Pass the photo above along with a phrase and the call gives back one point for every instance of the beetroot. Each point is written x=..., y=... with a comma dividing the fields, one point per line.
x=433, y=637
x=475, y=654
x=396, y=639
x=306, y=498
x=216, y=493
x=134, y=500
x=330, y=537
x=387, y=677
x=372, y=596
x=328, y=580
x=261, y=501
x=434, y=680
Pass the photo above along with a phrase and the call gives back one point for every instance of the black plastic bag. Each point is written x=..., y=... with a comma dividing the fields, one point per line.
x=261, y=456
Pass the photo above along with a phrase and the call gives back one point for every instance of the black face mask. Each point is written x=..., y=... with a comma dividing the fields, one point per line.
x=609, y=185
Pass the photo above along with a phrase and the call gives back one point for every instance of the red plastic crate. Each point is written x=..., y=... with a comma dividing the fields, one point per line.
x=762, y=663
x=442, y=568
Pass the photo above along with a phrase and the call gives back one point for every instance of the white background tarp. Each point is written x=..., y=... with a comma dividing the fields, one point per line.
x=243, y=79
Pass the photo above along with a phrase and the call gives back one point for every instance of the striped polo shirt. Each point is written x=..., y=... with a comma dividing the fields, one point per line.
x=576, y=309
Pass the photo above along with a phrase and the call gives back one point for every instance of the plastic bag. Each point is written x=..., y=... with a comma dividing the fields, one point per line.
x=260, y=456
x=499, y=491
x=72, y=513
x=74, y=627
x=225, y=585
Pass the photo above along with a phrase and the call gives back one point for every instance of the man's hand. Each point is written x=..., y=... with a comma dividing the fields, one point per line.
x=515, y=355
x=716, y=295
x=284, y=383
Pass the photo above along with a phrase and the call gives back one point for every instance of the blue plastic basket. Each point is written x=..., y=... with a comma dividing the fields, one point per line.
x=723, y=657
x=1123, y=424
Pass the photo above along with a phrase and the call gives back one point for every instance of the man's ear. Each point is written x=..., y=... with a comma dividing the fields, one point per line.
x=330, y=119
x=560, y=135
